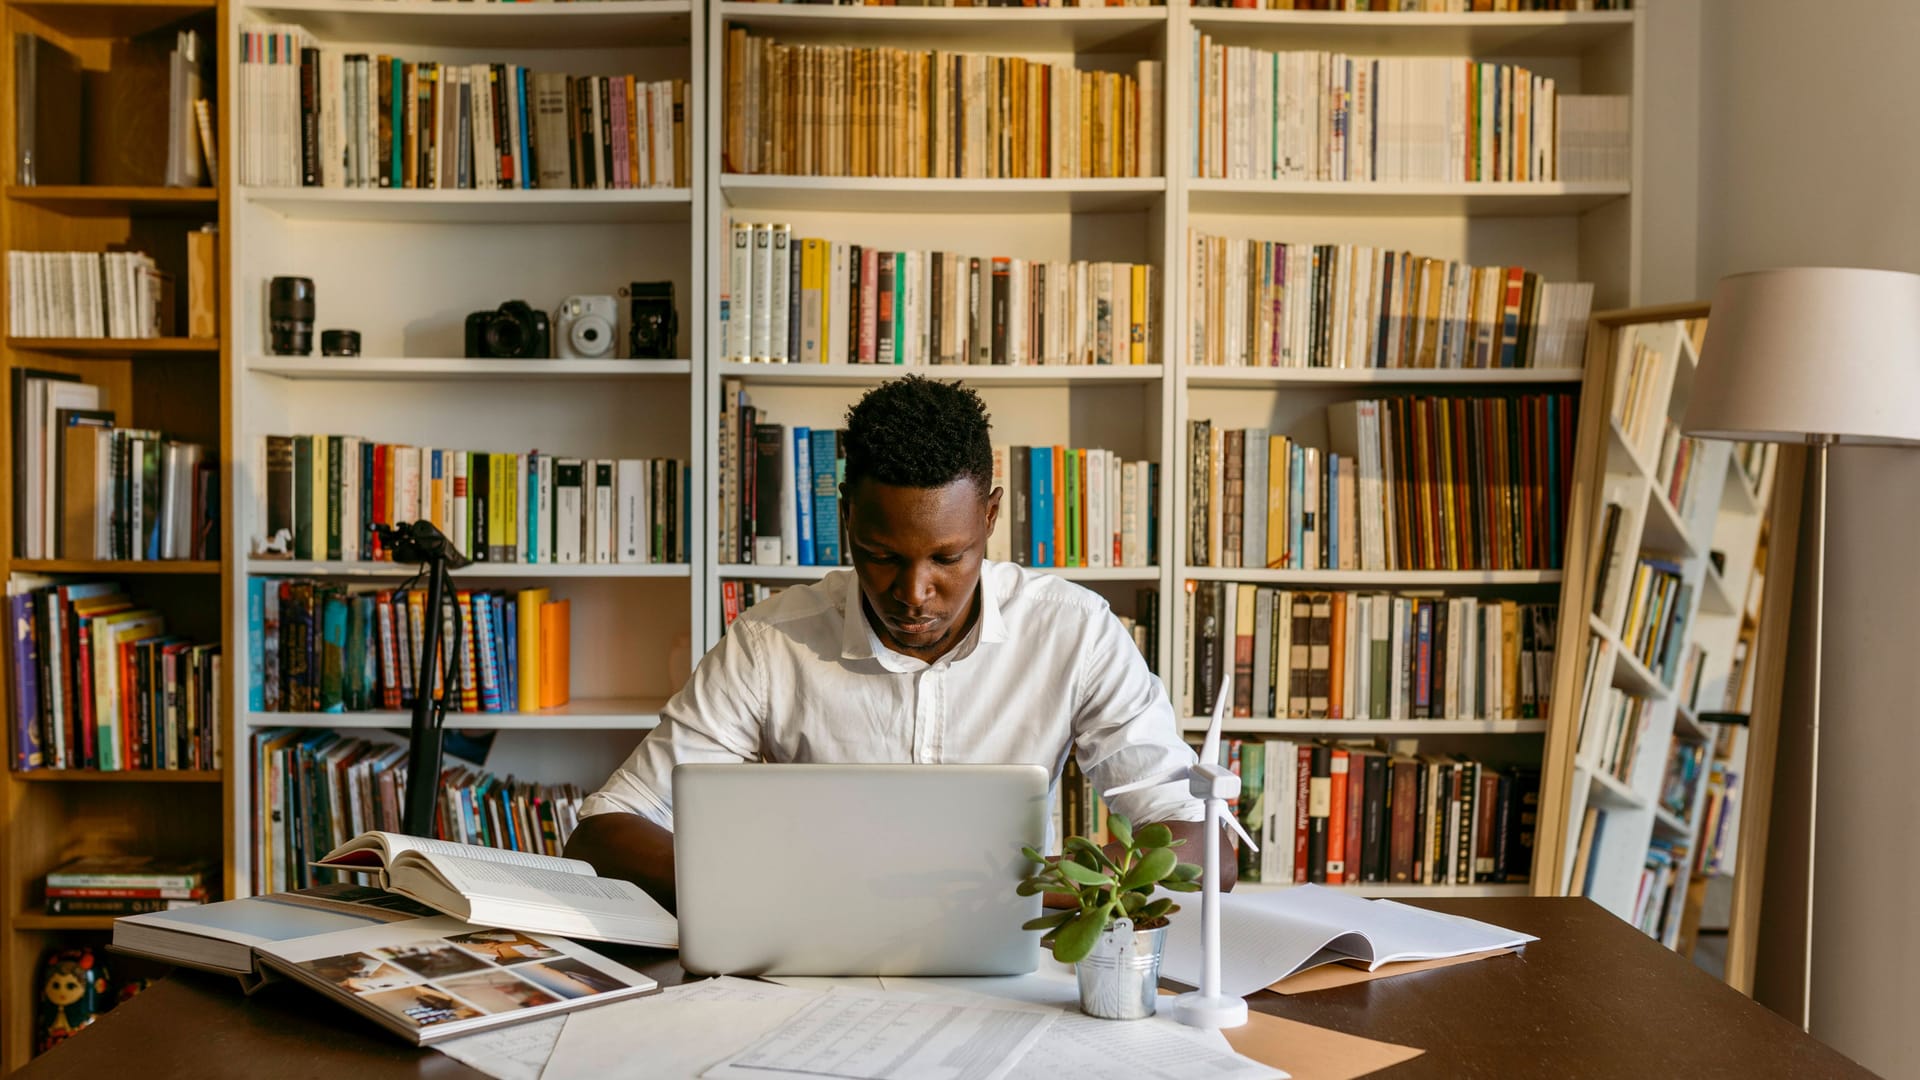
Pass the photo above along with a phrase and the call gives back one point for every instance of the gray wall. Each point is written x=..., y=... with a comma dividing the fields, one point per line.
x=1809, y=120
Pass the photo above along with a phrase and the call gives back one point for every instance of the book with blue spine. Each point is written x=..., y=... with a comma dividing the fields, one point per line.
x=256, y=644
x=487, y=652
x=1040, y=465
x=803, y=492
x=27, y=751
x=826, y=498
x=510, y=623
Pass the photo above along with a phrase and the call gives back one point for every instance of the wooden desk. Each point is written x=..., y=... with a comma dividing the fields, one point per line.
x=1591, y=998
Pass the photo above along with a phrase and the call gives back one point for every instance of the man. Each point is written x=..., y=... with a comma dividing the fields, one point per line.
x=922, y=653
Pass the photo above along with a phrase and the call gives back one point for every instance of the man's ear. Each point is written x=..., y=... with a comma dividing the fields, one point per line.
x=993, y=508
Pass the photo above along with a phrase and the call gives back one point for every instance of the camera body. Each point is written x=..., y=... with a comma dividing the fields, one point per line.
x=653, y=326
x=586, y=327
x=513, y=331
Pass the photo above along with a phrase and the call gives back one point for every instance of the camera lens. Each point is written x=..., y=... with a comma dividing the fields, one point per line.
x=290, y=315
x=504, y=336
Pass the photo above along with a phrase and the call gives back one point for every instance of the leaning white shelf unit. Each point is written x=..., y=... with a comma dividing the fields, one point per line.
x=404, y=268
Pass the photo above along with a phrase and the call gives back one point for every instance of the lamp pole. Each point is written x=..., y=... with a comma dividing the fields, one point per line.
x=1821, y=445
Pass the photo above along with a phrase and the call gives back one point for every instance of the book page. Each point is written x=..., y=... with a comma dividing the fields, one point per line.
x=355, y=853
x=1258, y=946
x=534, y=898
x=1395, y=931
x=865, y=1036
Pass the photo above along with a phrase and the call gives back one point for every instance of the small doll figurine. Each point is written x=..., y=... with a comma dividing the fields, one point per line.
x=73, y=987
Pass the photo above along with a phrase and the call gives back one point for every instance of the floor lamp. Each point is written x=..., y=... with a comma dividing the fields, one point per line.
x=1824, y=357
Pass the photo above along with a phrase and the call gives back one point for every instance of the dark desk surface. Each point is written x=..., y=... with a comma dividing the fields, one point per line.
x=1592, y=997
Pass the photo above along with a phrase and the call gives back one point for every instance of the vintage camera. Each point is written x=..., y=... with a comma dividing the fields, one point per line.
x=586, y=327
x=653, y=327
x=514, y=331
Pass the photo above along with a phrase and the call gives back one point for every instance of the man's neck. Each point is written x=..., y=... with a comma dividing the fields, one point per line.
x=933, y=653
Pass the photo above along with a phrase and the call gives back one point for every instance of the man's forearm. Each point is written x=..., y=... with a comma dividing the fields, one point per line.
x=1195, y=834
x=628, y=847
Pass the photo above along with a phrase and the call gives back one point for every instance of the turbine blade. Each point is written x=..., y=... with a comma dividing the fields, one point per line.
x=1151, y=781
x=1210, y=751
x=1233, y=823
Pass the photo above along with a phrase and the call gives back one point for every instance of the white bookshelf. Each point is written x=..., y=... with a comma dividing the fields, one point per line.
x=405, y=268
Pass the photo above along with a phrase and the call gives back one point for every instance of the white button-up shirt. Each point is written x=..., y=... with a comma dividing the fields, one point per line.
x=803, y=677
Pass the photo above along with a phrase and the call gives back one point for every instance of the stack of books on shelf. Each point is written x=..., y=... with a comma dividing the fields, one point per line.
x=127, y=885
x=85, y=489
x=100, y=683
x=1611, y=728
x=964, y=3
x=1657, y=608
x=1674, y=472
x=1658, y=898
x=316, y=789
x=1367, y=656
x=1261, y=303
x=738, y=596
x=1066, y=506
x=1686, y=762
x=313, y=116
x=1415, y=483
x=1388, y=815
x=1431, y=7
x=88, y=294
x=1642, y=380
x=1719, y=820
x=321, y=495
x=316, y=646
x=812, y=301
x=847, y=110
x=1259, y=114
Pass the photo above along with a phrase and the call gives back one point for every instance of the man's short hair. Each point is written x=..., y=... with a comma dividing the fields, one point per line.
x=917, y=432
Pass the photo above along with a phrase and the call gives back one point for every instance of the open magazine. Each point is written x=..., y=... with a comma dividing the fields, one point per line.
x=1268, y=936
x=536, y=893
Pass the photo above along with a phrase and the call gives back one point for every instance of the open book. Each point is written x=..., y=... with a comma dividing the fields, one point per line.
x=1267, y=936
x=536, y=893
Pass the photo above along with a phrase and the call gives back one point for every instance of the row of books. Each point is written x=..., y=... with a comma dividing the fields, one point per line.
x=323, y=117
x=1674, y=471
x=1260, y=303
x=1642, y=380
x=1416, y=483
x=1259, y=114
x=315, y=789
x=1658, y=605
x=1719, y=821
x=320, y=497
x=1680, y=785
x=1071, y=507
x=1336, y=813
x=848, y=110
x=100, y=682
x=1659, y=897
x=1366, y=656
x=1613, y=722
x=960, y=3
x=86, y=489
x=318, y=646
x=88, y=294
x=1433, y=7
x=127, y=885
x=809, y=300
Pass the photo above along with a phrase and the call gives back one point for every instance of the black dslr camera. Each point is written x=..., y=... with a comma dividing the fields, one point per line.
x=513, y=332
x=652, y=327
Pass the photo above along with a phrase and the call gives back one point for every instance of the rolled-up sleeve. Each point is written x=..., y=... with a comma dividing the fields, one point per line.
x=1124, y=729
x=716, y=717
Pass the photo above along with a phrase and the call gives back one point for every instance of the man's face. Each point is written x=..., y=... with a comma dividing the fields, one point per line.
x=917, y=554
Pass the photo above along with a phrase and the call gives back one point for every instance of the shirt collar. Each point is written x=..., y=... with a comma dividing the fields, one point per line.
x=859, y=642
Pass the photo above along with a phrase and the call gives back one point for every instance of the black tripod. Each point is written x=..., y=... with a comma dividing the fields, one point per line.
x=419, y=542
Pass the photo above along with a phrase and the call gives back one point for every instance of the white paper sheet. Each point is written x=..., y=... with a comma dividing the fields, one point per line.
x=893, y=1036
x=1267, y=936
x=676, y=1034
x=824, y=983
x=519, y=1052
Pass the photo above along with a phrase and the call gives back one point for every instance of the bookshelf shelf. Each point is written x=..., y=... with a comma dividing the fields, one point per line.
x=1614, y=792
x=40, y=920
x=328, y=568
x=873, y=195
x=1670, y=821
x=124, y=776
x=1630, y=673
x=1276, y=377
x=438, y=206
x=1714, y=598
x=514, y=26
x=984, y=374
x=1483, y=34
x=1055, y=29
x=750, y=572
x=581, y=714
x=1684, y=723
x=114, y=348
x=417, y=368
x=1622, y=455
x=1402, y=891
x=1395, y=579
x=118, y=566
x=1259, y=726
x=1399, y=199
x=94, y=199
x=1664, y=531
x=110, y=18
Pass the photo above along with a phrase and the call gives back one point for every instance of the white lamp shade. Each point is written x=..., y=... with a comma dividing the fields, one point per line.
x=1813, y=351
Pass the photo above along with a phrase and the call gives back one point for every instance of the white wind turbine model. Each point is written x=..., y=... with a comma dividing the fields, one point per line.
x=1214, y=785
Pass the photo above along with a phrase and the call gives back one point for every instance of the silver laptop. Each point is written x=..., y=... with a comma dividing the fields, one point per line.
x=856, y=869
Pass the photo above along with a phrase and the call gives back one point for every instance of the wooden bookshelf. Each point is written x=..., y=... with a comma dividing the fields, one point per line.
x=178, y=385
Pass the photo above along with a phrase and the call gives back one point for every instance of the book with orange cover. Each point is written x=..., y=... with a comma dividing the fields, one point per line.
x=556, y=652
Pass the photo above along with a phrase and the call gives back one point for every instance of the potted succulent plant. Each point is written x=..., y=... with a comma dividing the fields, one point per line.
x=1114, y=935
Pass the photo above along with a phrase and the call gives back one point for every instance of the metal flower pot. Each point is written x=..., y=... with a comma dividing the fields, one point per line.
x=1120, y=978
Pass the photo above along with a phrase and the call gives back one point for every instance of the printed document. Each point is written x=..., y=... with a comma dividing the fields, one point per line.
x=861, y=1036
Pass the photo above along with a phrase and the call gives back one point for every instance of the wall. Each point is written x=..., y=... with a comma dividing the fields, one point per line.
x=1809, y=156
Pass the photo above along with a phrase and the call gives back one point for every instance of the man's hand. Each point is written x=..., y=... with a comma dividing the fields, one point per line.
x=1194, y=833
x=628, y=847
